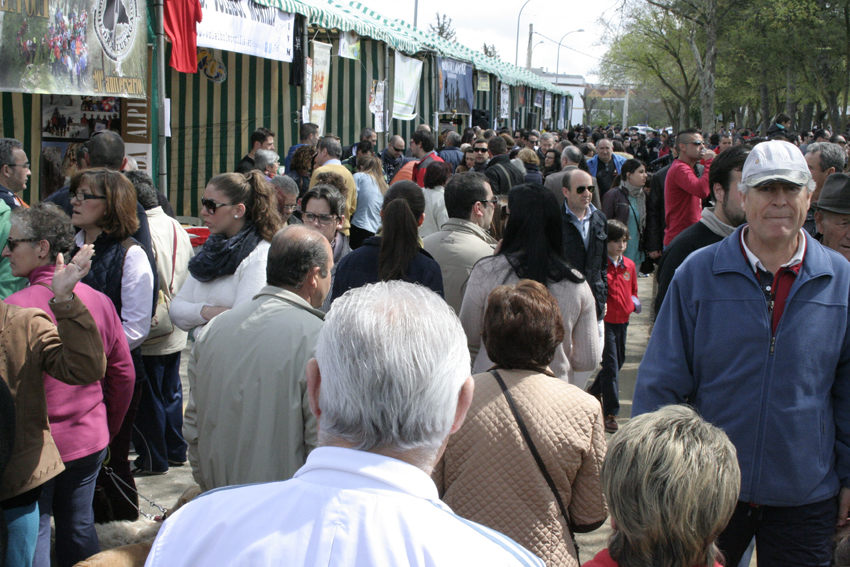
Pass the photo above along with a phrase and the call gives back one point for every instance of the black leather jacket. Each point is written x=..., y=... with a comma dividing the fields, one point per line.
x=590, y=261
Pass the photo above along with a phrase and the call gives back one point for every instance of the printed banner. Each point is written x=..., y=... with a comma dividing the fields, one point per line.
x=547, y=109
x=321, y=76
x=562, y=121
x=210, y=67
x=349, y=45
x=376, y=104
x=483, y=81
x=243, y=26
x=538, y=99
x=78, y=117
x=408, y=73
x=505, y=102
x=455, y=85
x=77, y=47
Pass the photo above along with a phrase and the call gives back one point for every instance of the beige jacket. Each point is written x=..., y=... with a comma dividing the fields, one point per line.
x=488, y=474
x=580, y=350
x=457, y=247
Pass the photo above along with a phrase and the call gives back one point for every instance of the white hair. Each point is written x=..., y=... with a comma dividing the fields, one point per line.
x=393, y=358
x=743, y=188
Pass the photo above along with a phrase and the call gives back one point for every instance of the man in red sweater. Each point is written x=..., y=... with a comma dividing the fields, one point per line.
x=683, y=190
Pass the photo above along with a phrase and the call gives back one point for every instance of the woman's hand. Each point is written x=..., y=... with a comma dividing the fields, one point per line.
x=67, y=276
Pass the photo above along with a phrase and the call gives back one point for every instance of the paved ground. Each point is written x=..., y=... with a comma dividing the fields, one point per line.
x=167, y=488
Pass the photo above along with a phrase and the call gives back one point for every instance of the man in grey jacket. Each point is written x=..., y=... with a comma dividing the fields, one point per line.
x=260, y=350
x=463, y=239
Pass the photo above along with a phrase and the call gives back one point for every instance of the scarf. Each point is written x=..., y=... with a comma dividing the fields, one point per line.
x=220, y=255
x=639, y=196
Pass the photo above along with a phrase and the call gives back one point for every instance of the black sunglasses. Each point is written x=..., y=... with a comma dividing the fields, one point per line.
x=479, y=149
x=12, y=242
x=580, y=189
x=494, y=201
x=399, y=150
x=211, y=205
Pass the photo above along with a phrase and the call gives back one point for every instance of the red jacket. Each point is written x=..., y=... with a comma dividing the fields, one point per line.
x=622, y=285
x=683, y=195
x=419, y=168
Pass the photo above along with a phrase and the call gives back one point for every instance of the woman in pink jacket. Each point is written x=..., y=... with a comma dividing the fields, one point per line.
x=83, y=419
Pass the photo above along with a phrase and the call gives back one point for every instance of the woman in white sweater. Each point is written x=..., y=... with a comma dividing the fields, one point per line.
x=532, y=249
x=241, y=213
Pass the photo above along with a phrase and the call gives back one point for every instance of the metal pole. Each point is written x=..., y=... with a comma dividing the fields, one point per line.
x=415, y=12
x=530, y=34
x=386, y=95
x=305, y=89
x=516, y=57
x=626, y=110
x=558, y=64
x=160, y=97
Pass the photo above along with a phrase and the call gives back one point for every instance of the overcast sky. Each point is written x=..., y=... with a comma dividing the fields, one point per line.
x=495, y=22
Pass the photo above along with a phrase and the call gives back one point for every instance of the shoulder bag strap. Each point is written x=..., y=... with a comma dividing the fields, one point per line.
x=173, y=262
x=537, y=458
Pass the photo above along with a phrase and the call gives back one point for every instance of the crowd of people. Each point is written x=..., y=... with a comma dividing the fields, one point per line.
x=412, y=356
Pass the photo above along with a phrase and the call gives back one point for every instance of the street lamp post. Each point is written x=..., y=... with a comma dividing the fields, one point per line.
x=530, y=57
x=558, y=64
x=516, y=57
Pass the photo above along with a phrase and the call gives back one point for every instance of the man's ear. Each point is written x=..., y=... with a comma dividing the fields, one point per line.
x=464, y=400
x=314, y=383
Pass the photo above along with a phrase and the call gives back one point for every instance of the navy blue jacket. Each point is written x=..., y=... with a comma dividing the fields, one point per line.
x=360, y=268
x=783, y=399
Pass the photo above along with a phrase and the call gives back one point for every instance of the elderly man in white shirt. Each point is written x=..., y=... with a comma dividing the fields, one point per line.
x=389, y=384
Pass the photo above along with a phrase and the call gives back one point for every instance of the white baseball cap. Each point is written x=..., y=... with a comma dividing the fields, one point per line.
x=775, y=161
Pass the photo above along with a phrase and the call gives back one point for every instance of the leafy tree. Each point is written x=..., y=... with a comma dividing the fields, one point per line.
x=443, y=28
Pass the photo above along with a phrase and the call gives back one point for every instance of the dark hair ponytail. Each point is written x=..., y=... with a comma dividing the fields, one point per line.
x=403, y=206
x=262, y=205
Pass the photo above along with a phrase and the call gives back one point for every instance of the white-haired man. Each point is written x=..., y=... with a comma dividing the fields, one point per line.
x=389, y=384
x=755, y=334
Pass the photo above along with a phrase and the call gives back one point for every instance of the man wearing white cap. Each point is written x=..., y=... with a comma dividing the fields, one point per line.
x=755, y=334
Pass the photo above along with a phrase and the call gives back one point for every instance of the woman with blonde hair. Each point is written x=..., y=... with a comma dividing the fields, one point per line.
x=671, y=480
x=241, y=213
x=371, y=187
x=531, y=163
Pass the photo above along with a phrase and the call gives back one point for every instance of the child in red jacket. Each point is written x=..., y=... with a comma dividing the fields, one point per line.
x=622, y=302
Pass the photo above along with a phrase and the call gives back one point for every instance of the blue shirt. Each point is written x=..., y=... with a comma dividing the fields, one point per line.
x=582, y=225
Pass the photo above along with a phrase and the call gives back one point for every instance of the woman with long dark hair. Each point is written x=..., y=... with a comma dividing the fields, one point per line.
x=626, y=202
x=551, y=163
x=395, y=253
x=436, y=176
x=532, y=248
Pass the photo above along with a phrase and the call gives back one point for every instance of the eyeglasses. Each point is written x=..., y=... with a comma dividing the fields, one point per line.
x=211, y=205
x=399, y=150
x=323, y=219
x=80, y=196
x=290, y=208
x=581, y=188
x=697, y=143
x=480, y=150
x=494, y=201
x=12, y=242
x=24, y=165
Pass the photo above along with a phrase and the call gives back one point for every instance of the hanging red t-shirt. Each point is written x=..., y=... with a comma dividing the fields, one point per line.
x=179, y=22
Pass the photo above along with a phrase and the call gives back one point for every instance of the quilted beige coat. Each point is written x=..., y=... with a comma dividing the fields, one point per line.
x=488, y=474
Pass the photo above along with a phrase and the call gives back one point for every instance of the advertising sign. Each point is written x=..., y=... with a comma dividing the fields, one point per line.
x=349, y=45
x=455, y=85
x=547, y=109
x=505, y=102
x=67, y=117
x=243, y=26
x=76, y=47
x=483, y=81
x=408, y=72
x=321, y=76
x=538, y=99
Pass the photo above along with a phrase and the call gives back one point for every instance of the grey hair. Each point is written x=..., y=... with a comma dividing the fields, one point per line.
x=7, y=146
x=46, y=221
x=331, y=146
x=571, y=154
x=743, y=188
x=453, y=139
x=263, y=158
x=286, y=184
x=831, y=155
x=672, y=482
x=393, y=358
x=547, y=136
x=294, y=251
x=145, y=191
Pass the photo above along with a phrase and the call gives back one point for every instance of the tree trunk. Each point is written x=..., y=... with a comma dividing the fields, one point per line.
x=707, y=65
x=683, y=117
x=806, y=117
x=832, y=108
x=765, y=108
x=790, y=96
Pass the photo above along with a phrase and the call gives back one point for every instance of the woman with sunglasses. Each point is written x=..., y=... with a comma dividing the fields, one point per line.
x=241, y=213
x=323, y=209
x=83, y=418
x=396, y=252
x=104, y=209
x=531, y=249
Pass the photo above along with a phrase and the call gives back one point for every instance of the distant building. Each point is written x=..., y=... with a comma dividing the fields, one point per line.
x=575, y=85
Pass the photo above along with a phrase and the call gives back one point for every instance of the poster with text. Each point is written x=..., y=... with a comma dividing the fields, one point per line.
x=538, y=99
x=455, y=86
x=547, y=108
x=321, y=76
x=505, y=102
x=483, y=81
x=408, y=73
x=74, y=47
x=562, y=121
x=243, y=26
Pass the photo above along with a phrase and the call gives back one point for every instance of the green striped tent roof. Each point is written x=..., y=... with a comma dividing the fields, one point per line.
x=401, y=36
